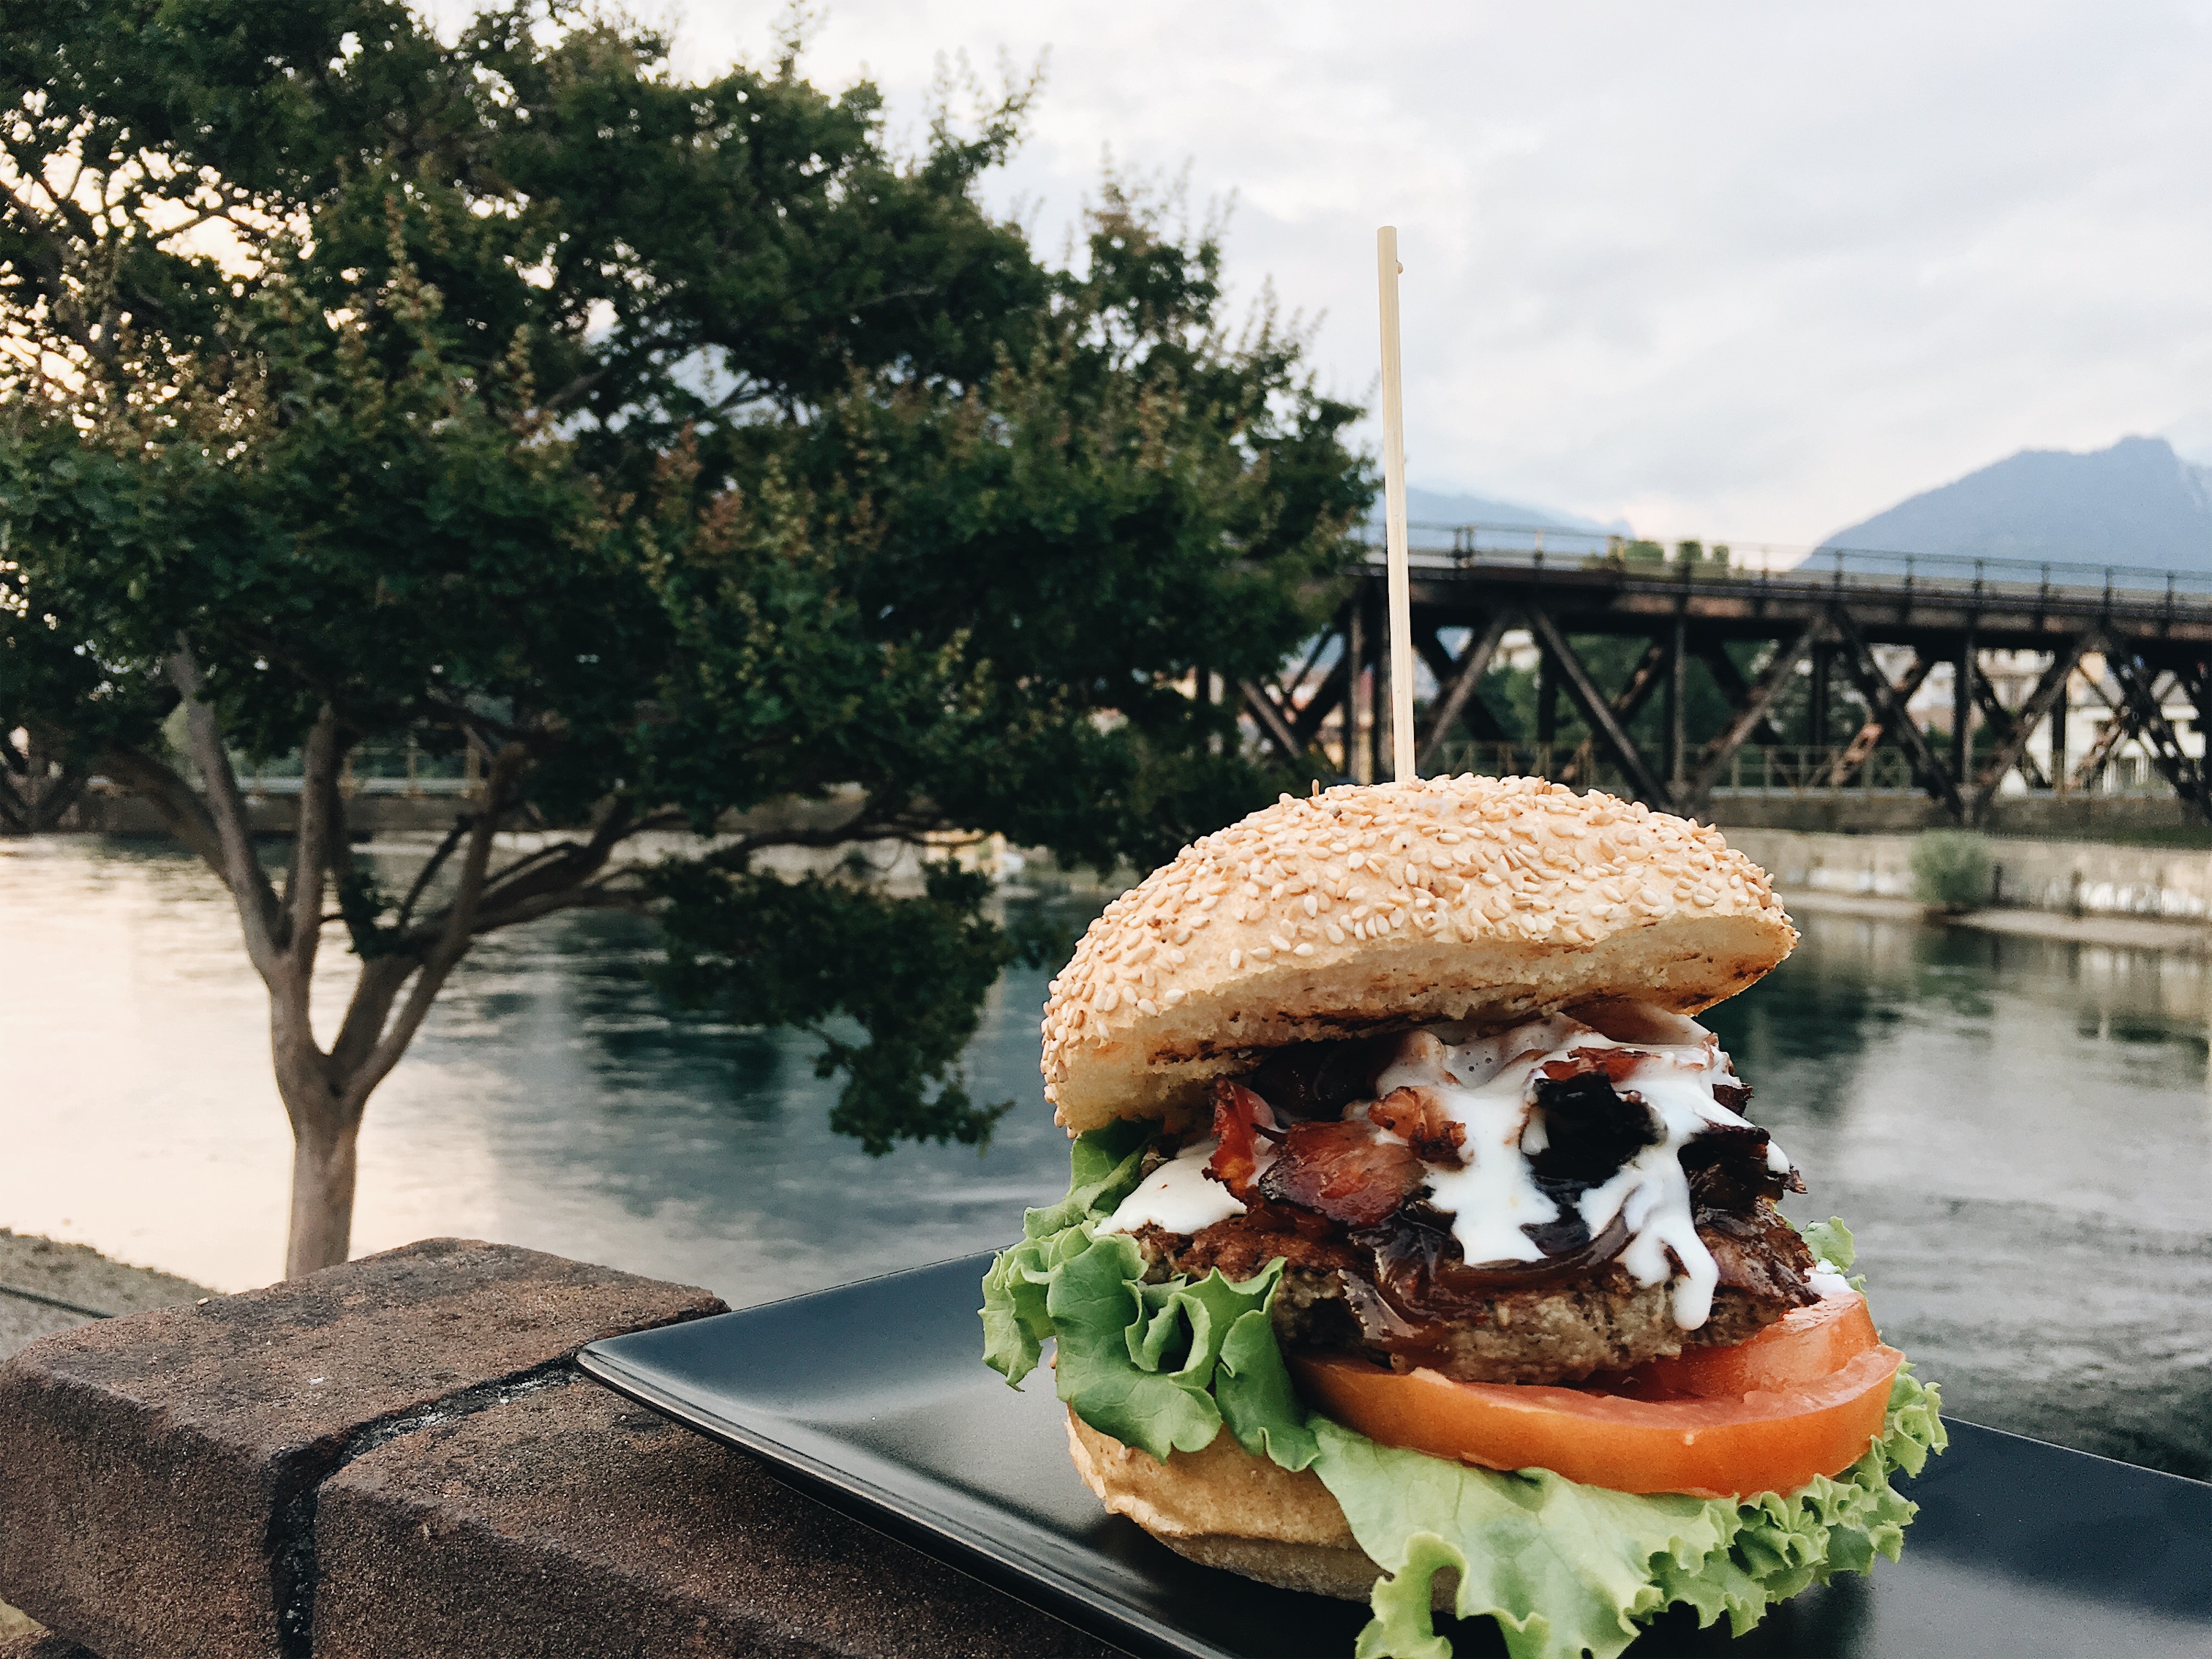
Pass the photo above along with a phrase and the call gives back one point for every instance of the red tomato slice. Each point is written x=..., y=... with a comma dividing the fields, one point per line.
x=1763, y=1441
x=1803, y=1345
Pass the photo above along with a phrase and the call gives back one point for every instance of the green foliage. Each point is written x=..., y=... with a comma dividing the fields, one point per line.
x=1951, y=869
x=911, y=972
x=680, y=447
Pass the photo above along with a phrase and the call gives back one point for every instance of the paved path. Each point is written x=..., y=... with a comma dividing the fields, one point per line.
x=79, y=1275
x=2120, y=932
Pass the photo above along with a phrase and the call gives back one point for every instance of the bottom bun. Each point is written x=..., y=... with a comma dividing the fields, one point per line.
x=1223, y=1507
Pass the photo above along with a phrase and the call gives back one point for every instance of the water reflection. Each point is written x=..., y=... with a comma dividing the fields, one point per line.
x=2019, y=1131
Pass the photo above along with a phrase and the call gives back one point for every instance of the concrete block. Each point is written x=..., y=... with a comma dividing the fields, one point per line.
x=570, y=1521
x=159, y=1473
x=42, y=1644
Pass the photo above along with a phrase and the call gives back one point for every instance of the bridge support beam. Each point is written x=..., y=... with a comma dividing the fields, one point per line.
x=1596, y=710
x=1888, y=707
x=2048, y=696
x=1459, y=684
x=1751, y=714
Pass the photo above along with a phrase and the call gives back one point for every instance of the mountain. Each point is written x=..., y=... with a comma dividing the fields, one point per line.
x=2136, y=503
x=1440, y=507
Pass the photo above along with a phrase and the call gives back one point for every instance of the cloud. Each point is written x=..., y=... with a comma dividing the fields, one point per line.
x=1729, y=268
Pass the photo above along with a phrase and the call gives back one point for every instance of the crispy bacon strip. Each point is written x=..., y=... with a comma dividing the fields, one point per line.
x=1418, y=1114
x=1617, y=1065
x=1346, y=1171
x=1238, y=1116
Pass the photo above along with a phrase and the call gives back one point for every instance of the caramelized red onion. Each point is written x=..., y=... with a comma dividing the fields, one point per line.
x=1419, y=1272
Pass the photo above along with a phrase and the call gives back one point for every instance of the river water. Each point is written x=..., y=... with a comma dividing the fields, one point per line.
x=2018, y=1132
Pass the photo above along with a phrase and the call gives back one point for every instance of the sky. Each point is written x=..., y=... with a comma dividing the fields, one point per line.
x=1723, y=268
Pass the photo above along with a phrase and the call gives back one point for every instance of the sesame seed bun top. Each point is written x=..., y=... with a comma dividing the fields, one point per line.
x=1373, y=907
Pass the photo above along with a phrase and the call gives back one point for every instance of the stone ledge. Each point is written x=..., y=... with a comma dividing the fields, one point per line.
x=159, y=1474
x=570, y=1521
x=42, y=1644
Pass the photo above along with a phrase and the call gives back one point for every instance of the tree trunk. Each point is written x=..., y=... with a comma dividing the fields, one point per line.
x=324, y=1133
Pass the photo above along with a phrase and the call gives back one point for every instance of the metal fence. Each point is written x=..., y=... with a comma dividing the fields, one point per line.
x=1767, y=770
x=1538, y=548
x=1776, y=769
x=388, y=769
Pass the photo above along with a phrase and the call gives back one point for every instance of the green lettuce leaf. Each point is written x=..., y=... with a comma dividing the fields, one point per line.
x=1567, y=1570
x=1106, y=1164
x=1164, y=1366
x=1830, y=1240
x=1016, y=1319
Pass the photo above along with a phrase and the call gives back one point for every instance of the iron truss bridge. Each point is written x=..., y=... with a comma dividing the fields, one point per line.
x=2138, y=643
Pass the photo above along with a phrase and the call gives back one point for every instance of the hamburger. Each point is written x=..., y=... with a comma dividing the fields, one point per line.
x=1419, y=1248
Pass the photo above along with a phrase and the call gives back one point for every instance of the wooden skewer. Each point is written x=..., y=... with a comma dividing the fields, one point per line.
x=1393, y=513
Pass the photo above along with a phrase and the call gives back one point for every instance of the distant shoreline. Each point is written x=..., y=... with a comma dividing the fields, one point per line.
x=2114, y=933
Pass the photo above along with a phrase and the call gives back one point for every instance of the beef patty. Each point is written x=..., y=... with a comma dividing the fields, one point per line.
x=1334, y=1298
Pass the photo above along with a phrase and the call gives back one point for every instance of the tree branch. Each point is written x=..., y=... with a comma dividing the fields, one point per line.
x=428, y=872
x=258, y=910
x=566, y=865
x=311, y=840
x=181, y=810
x=460, y=926
x=374, y=993
x=589, y=896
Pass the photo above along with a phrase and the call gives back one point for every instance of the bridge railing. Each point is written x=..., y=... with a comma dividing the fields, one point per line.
x=1754, y=770
x=1771, y=769
x=1541, y=548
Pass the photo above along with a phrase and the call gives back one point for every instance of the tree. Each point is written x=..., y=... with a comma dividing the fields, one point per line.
x=677, y=448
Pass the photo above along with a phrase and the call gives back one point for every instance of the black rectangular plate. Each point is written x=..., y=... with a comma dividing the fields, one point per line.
x=872, y=1398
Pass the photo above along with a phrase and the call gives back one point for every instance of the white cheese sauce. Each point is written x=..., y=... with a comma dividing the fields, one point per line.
x=1180, y=1195
x=1487, y=1086
x=1492, y=1195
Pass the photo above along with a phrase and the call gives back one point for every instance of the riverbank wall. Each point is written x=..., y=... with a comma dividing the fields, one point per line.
x=1905, y=813
x=2072, y=877
x=2048, y=855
